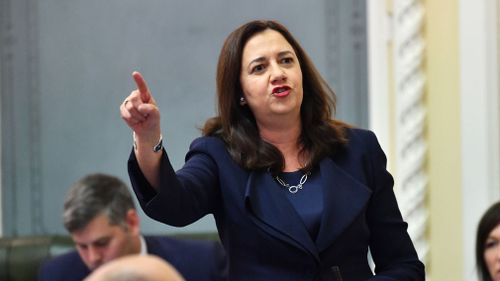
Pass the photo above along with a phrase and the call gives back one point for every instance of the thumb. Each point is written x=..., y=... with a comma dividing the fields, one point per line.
x=149, y=110
x=142, y=86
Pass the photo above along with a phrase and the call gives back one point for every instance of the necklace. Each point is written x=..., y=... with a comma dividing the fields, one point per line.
x=293, y=188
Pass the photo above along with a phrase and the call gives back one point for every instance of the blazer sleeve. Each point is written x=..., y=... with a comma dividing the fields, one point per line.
x=183, y=196
x=390, y=245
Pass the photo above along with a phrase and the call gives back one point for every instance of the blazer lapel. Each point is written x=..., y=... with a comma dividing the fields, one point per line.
x=343, y=199
x=273, y=213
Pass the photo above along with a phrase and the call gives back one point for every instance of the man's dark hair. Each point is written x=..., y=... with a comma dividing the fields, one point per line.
x=93, y=195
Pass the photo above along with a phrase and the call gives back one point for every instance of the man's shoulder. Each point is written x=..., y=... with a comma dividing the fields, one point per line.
x=65, y=265
x=210, y=261
x=69, y=258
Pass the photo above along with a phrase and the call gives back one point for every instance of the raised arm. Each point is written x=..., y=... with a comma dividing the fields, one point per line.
x=140, y=111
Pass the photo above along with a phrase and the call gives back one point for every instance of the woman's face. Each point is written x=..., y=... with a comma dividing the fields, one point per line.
x=271, y=77
x=492, y=253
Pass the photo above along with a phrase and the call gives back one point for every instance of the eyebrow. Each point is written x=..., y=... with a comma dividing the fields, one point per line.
x=261, y=59
x=100, y=239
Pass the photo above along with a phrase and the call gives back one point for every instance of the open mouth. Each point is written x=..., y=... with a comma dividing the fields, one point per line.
x=281, y=91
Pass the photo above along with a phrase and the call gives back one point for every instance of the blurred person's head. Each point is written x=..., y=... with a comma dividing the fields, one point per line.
x=100, y=216
x=488, y=245
x=136, y=268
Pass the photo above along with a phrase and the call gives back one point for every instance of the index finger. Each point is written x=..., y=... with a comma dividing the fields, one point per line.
x=141, y=86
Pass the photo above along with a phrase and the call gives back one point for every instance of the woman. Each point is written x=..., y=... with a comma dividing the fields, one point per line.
x=488, y=245
x=295, y=194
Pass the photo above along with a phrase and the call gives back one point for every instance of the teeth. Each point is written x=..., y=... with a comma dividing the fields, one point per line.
x=280, y=90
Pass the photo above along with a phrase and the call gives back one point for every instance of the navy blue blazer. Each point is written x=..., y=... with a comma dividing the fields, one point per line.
x=265, y=238
x=195, y=260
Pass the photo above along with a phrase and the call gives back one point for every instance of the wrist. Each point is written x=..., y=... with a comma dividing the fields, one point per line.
x=155, y=145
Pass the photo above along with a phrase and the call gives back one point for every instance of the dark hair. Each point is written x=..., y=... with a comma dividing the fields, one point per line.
x=93, y=195
x=235, y=124
x=488, y=222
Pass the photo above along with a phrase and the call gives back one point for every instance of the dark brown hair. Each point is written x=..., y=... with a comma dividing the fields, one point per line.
x=488, y=222
x=235, y=124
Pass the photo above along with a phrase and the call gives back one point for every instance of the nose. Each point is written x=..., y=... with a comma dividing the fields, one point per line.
x=94, y=257
x=277, y=73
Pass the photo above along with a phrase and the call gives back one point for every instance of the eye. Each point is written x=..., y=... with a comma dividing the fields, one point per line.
x=287, y=60
x=81, y=246
x=102, y=243
x=258, y=68
x=490, y=244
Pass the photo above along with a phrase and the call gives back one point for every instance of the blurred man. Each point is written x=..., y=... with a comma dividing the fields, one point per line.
x=100, y=216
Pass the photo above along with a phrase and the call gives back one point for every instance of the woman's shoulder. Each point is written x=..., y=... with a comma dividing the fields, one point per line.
x=359, y=135
x=207, y=141
x=212, y=147
x=362, y=144
x=208, y=144
x=360, y=141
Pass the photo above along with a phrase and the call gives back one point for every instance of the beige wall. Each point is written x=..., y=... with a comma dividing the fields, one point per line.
x=443, y=136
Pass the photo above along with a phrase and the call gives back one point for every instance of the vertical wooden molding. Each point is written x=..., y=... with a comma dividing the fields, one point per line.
x=346, y=57
x=397, y=108
x=8, y=204
x=3, y=36
x=410, y=115
x=359, y=46
x=444, y=139
x=22, y=205
x=332, y=27
x=34, y=120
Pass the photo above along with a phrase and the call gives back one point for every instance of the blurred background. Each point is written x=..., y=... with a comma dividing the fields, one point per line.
x=424, y=75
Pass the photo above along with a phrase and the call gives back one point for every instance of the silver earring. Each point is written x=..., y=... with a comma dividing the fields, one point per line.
x=242, y=101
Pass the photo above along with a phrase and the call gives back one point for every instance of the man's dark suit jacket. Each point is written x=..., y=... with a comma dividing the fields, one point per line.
x=265, y=237
x=195, y=260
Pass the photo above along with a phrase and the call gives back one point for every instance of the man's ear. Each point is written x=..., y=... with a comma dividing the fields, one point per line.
x=133, y=222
